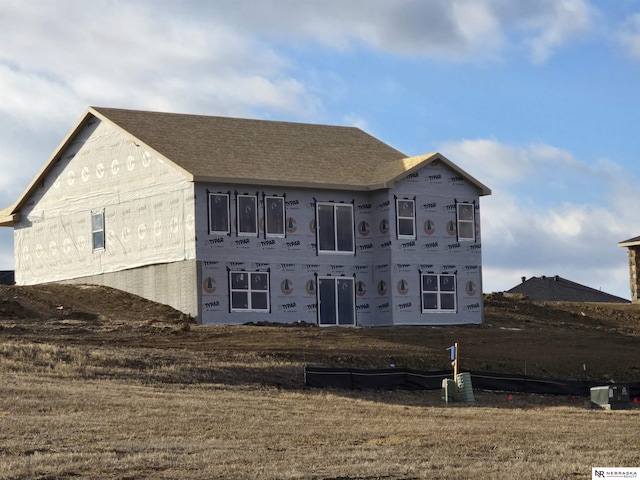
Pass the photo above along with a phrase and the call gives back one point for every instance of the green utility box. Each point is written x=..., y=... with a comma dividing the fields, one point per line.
x=448, y=390
x=465, y=388
x=611, y=397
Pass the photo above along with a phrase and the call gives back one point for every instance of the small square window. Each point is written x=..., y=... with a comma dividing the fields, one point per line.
x=438, y=292
x=249, y=291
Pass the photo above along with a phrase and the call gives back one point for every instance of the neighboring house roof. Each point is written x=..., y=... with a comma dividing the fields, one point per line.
x=558, y=289
x=632, y=242
x=260, y=152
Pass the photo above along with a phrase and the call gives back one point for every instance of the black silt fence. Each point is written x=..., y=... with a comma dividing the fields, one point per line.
x=407, y=379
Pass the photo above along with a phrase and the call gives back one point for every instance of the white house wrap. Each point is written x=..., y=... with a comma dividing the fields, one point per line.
x=236, y=221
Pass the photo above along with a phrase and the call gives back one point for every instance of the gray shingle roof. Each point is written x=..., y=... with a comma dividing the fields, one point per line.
x=259, y=152
x=212, y=148
x=558, y=289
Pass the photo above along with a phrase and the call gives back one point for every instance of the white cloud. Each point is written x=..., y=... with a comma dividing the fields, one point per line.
x=556, y=23
x=501, y=164
x=132, y=56
x=450, y=30
x=629, y=36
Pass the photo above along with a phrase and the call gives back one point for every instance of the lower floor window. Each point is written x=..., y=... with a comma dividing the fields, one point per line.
x=249, y=291
x=336, y=301
x=438, y=292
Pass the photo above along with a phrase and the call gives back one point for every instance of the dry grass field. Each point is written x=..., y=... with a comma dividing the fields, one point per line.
x=97, y=384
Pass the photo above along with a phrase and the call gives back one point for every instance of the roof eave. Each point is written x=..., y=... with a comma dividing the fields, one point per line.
x=430, y=158
x=484, y=190
x=280, y=183
x=49, y=164
x=68, y=139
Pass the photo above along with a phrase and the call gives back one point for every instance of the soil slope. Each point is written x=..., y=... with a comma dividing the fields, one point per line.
x=553, y=339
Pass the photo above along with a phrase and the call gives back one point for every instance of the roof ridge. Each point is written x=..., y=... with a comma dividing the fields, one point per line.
x=105, y=110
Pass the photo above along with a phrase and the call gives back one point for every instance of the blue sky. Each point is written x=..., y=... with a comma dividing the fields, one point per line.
x=538, y=100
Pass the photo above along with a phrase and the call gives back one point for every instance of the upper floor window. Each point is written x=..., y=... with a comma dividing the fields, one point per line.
x=249, y=291
x=466, y=221
x=438, y=292
x=274, y=220
x=219, y=213
x=334, y=228
x=406, y=218
x=247, y=214
x=97, y=230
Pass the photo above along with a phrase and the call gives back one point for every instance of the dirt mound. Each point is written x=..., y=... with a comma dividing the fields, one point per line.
x=554, y=339
x=80, y=302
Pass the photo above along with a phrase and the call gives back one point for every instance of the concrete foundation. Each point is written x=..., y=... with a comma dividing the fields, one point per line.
x=172, y=284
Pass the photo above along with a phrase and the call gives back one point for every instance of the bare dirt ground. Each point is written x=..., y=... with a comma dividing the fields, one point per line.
x=519, y=336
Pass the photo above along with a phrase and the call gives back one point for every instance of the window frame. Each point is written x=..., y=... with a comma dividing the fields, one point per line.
x=95, y=231
x=335, y=228
x=460, y=221
x=439, y=292
x=336, y=300
x=239, y=224
x=249, y=291
x=412, y=218
x=211, y=195
x=267, y=233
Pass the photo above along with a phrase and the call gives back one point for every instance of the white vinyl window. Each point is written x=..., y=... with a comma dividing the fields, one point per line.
x=274, y=219
x=438, y=292
x=334, y=228
x=406, y=218
x=219, y=213
x=466, y=221
x=249, y=291
x=97, y=230
x=247, y=215
x=336, y=301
